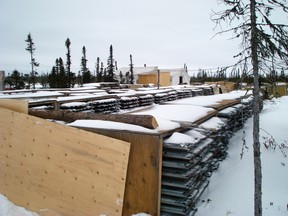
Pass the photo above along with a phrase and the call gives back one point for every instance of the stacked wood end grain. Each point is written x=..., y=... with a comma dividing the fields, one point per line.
x=105, y=106
x=190, y=157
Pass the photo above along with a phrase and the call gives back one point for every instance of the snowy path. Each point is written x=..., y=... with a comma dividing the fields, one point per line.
x=231, y=186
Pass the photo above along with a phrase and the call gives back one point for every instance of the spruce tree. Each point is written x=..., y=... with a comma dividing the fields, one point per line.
x=111, y=66
x=98, y=75
x=31, y=49
x=131, y=71
x=63, y=77
x=68, y=62
x=52, y=78
x=101, y=74
x=86, y=74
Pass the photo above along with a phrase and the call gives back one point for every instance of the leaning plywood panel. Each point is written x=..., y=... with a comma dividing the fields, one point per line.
x=55, y=168
x=16, y=105
x=143, y=184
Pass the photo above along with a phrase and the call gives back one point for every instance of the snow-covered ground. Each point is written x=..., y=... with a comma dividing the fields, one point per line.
x=231, y=188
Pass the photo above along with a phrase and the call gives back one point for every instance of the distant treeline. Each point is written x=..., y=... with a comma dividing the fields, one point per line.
x=237, y=76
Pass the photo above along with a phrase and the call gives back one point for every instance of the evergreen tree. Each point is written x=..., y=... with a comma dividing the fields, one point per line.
x=102, y=75
x=70, y=75
x=52, y=78
x=86, y=74
x=63, y=80
x=31, y=49
x=15, y=80
x=105, y=76
x=127, y=77
x=263, y=42
x=131, y=71
x=98, y=74
x=121, y=77
x=110, y=66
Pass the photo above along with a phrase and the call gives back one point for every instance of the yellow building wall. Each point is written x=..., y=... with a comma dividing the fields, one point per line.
x=153, y=78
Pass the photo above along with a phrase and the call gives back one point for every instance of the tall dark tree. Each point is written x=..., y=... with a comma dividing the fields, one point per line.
x=131, y=81
x=58, y=78
x=15, y=80
x=68, y=62
x=111, y=66
x=31, y=49
x=101, y=74
x=122, y=80
x=263, y=43
x=98, y=74
x=63, y=77
x=52, y=78
x=86, y=74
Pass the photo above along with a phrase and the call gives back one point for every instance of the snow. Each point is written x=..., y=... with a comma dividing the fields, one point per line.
x=230, y=191
x=39, y=94
x=164, y=125
x=210, y=99
x=179, y=138
x=177, y=113
x=7, y=208
x=213, y=123
x=73, y=104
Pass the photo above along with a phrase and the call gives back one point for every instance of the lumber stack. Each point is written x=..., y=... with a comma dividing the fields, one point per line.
x=186, y=167
x=190, y=157
x=208, y=90
x=184, y=93
x=172, y=95
x=75, y=106
x=146, y=100
x=128, y=102
x=197, y=92
x=105, y=106
x=160, y=98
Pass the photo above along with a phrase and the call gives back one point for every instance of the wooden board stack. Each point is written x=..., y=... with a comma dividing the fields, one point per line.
x=105, y=106
x=184, y=93
x=146, y=100
x=190, y=157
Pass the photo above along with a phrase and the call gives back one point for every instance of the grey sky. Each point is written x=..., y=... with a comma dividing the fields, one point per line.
x=164, y=33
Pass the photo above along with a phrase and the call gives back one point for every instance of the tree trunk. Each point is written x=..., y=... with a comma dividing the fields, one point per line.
x=256, y=110
x=146, y=121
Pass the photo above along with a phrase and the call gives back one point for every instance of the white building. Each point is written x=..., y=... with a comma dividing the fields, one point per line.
x=168, y=77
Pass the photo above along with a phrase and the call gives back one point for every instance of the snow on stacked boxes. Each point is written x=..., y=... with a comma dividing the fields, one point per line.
x=190, y=157
x=160, y=98
x=184, y=172
x=146, y=100
x=184, y=93
x=75, y=106
x=105, y=106
x=128, y=102
x=208, y=90
x=197, y=92
x=172, y=95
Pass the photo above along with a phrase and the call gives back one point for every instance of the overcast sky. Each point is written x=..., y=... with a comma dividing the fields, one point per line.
x=164, y=33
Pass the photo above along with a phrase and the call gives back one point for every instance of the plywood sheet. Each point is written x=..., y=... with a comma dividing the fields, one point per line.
x=16, y=105
x=48, y=167
x=143, y=184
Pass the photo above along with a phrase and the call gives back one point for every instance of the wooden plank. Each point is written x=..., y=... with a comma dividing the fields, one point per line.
x=55, y=168
x=224, y=104
x=15, y=105
x=146, y=121
x=143, y=184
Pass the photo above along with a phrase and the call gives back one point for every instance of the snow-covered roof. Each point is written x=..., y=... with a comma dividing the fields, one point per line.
x=137, y=70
